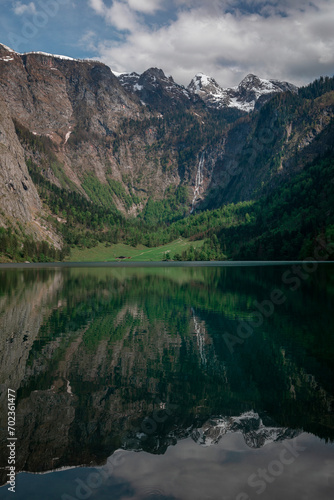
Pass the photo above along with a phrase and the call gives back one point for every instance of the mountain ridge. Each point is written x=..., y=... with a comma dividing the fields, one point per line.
x=243, y=96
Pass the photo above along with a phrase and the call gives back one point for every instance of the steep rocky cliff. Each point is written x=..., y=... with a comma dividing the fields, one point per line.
x=21, y=207
x=83, y=110
x=19, y=197
x=262, y=152
x=122, y=141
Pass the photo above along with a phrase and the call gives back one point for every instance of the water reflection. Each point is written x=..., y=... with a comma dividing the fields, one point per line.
x=137, y=359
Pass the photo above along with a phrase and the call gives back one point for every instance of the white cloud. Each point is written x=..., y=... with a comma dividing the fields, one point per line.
x=147, y=6
x=122, y=17
x=98, y=6
x=88, y=40
x=21, y=9
x=227, y=45
x=123, y=14
x=119, y=15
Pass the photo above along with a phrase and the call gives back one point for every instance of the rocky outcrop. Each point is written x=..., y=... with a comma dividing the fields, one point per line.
x=158, y=91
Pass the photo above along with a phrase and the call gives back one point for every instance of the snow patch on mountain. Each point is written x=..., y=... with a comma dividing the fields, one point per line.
x=55, y=56
x=154, y=87
x=243, y=97
x=138, y=87
x=7, y=48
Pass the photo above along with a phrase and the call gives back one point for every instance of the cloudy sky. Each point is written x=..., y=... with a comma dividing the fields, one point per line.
x=285, y=39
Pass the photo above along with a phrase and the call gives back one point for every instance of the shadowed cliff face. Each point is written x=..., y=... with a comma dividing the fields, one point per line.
x=262, y=152
x=136, y=359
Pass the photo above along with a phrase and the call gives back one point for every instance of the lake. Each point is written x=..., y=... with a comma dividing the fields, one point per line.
x=168, y=382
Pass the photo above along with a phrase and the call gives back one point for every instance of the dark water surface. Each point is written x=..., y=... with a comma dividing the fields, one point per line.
x=169, y=383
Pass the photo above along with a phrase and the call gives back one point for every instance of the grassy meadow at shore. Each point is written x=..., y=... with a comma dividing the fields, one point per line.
x=140, y=253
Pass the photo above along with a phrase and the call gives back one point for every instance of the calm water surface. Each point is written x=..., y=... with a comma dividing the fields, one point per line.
x=169, y=383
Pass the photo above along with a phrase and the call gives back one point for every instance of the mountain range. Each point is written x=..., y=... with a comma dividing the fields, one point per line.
x=153, y=85
x=89, y=156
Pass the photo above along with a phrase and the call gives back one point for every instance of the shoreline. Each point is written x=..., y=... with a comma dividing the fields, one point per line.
x=59, y=265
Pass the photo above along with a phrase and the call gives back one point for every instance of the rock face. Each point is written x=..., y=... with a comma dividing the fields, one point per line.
x=245, y=96
x=21, y=207
x=19, y=198
x=157, y=90
x=51, y=94
x=81, y=106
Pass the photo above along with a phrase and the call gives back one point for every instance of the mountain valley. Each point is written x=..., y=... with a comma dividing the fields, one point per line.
x=91, y=157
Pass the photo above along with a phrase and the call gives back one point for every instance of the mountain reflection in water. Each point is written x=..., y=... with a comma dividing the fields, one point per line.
x=136, y=359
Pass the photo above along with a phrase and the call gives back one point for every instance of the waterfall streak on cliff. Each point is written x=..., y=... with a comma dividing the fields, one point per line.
x=198, y=182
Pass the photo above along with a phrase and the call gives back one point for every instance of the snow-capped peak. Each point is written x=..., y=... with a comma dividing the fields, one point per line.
x=202, y=81
x=243, y=97
x=249, y=79
x=7, y=48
